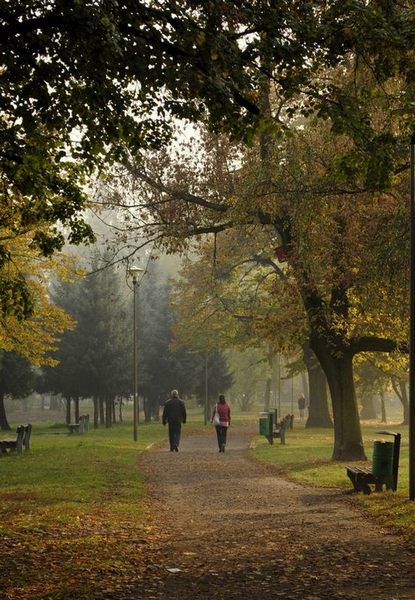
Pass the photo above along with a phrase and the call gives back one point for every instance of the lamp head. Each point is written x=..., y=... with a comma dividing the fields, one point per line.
x=133, y=271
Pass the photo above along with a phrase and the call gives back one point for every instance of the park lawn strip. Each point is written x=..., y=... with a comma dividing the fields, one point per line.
x=71, y=509
x=306, y=459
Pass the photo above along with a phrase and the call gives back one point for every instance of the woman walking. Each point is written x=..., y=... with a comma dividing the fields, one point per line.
x=221, y=418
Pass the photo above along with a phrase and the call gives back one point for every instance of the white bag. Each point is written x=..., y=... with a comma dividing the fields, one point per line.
x=216, y=419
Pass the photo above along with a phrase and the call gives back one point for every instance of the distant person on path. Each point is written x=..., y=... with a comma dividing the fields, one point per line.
x=223, y=411
x=301, y=406
x=174, y=414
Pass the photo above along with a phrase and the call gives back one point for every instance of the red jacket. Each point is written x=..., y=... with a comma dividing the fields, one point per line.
x=224, y=414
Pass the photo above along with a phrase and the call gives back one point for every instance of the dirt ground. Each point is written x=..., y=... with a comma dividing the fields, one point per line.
x=227, y=527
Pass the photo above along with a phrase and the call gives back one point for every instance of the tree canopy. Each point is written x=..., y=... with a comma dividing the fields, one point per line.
x=81, y=82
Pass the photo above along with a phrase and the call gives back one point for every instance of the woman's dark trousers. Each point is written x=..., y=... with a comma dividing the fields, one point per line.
x=221, y=434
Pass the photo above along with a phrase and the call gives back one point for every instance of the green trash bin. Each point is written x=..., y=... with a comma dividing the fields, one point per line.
x=265, y=424
x=382, y=464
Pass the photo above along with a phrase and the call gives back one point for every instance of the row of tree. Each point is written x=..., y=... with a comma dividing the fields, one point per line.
x=302, y=264
x=94, y=359
x=265, y=68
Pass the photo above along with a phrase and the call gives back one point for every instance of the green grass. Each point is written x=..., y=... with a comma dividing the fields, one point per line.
x=306, y=459
x=69, y=507
x=65, y=476
x=70, y=479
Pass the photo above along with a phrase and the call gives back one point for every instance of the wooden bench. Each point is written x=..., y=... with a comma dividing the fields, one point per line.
x=73, y=427
x=17, y=444
x=281, y=428
x=362, y=478
x=81, y=426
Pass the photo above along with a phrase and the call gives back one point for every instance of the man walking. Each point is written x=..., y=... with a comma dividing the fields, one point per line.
x=174, y=414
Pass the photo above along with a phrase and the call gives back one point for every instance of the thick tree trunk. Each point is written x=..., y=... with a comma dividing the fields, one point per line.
x=114, y=415
x=368, y=407
x=318, y=411
x=405, y=402
x=348, y=443
x=4, y=424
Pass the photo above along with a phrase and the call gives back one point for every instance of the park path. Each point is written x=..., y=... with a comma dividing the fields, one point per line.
x=227, y=527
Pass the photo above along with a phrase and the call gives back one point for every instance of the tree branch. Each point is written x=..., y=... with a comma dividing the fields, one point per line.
x=376, y=344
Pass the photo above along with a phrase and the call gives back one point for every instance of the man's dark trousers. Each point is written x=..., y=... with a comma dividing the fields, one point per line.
x=175, y=428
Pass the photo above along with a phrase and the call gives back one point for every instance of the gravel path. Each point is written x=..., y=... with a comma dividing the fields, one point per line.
x=233, y=529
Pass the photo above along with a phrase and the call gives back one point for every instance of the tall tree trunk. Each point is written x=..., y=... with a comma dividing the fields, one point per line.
x=304, y=383
x=318, y=407
x=76, y=408
x=54, y=403
x=108, y=412
x=348, y=443
x=404, y=400
x=147, y=409
x=96, y=412
x=400, y=389
x=120, y=409
x=368, y=407
x=101, y=411
x=267, y=394
x=68, y=410
x=4, y=424
x=382, y=406
x=114, y=416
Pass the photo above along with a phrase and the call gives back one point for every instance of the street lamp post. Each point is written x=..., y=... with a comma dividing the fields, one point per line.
x=133, y=271
x=206, y=389
x=412, y=334
x=279, y=385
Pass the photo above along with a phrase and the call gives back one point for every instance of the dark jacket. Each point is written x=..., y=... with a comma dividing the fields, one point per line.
x=174, y=411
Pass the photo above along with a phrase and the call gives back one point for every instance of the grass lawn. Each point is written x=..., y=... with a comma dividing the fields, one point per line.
x=71, y=507
x=64, y=475
x=306, y=458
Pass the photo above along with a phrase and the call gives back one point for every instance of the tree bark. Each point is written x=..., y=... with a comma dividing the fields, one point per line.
x=96, y=412
x=404, y=400
x=147, y=409
x=267, y=394
x=4, y=424
x=114, y=415
x=382, y=407
x=54, y=402
x=368, y=407
x=76, y=408
x=101, y=410
x=348, y=443
x=108, y=412
x=68, y=410
x=318, y=410
x=121, y=404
